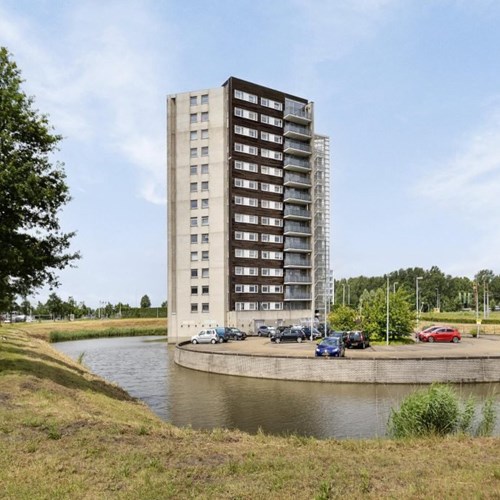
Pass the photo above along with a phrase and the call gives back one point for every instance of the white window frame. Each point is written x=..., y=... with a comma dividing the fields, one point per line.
x=246, y=166
x=246, y=253
x=271, y=271
x=271, y=205
x=245, y=113
x=269, y=153
x=248, y=132
x=246, y=288
x=245, y=96
x=246, y=306
x=271, y=188
x=269, y=103
x=271, y=288
x=266, y=136
x=247, y=202
x=276, y=172
x=271, y=120
x=245, y=183
x=271, y=238
x=246, y=148
x=246, y=271
x=246, y=236
x=246, y=218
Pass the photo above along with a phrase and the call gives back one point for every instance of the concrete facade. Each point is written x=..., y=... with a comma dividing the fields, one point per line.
x=346, y=370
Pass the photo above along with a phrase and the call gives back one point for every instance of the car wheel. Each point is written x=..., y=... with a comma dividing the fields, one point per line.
x=299, y=339
x=258, y=334
x=221, y=340
x=278, y=341
x=363, y=345
x=455, y=339
x=194, y=341
x=213, y=341
x=431, y=339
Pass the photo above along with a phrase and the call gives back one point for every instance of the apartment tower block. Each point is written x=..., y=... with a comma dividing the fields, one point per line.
x=248, y=209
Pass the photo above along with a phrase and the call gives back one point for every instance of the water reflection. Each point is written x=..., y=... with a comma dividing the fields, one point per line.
x=144, y=367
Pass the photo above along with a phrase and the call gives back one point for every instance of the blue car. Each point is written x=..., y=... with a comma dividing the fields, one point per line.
x=331, y=347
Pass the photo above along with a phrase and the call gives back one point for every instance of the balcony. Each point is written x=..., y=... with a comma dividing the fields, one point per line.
x=297, y=229
x=297, y=245
x=292, y=277
x=296, y=164
x=297, y=261
x=297, y=148
x=297, y=112
x=297, y=292
x=296, y=213
x=297, y=180
x=294, y=131
x=297, y=196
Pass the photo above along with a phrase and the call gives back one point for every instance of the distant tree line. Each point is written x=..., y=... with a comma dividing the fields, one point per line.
x=57, y=308
x=436, y=290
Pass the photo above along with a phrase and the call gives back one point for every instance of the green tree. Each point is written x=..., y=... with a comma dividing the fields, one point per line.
x=32, y=191
x=55, y=306
x=145, y=302
x=343, y=318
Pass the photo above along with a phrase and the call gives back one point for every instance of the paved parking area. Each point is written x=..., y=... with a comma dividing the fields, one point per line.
x=485, y=346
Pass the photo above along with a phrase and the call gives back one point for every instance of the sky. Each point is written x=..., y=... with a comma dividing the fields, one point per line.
x=408, y=91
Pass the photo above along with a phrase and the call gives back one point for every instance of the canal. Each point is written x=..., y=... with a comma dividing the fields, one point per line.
x=144, y=367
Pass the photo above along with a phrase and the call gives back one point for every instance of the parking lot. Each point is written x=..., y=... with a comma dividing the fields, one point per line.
x=486, y=345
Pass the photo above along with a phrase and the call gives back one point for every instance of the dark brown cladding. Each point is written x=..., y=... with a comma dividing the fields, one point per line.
x=260, y=91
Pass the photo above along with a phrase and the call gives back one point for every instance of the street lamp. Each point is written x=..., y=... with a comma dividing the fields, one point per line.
x=387, y=315
x=418, y=278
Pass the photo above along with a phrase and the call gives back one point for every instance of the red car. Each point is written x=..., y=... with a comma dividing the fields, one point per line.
x=441, y=334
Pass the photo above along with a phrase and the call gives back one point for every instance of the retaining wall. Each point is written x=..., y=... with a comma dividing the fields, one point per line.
x=370, y=370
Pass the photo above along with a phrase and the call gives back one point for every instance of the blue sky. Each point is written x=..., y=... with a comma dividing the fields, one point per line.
x=408, y=91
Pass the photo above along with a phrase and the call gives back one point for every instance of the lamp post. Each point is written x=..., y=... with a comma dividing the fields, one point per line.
x=387, y=315
x=394, y=286
x=418, y=278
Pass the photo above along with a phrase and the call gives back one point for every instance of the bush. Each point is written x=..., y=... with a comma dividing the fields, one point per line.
x=436, y=411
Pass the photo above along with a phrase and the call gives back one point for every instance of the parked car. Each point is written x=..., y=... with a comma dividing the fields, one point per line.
x=324, y=329
x=316, y=333
x=357, y=339
x=235, y=333
x=441, y=334
x=426, y=330
x=294, y=334
x=222, y=333
x=208, y=336
x=265, y=331
x=331, y=346
x=342, y=335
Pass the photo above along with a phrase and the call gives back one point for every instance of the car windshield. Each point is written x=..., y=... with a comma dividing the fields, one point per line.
x=332, y=341
x=355, y=335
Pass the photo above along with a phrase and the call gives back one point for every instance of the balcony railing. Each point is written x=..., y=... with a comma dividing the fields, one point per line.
x=297, y=277
x=296, y=131
x=296, y=194
x=296, y=180
x=297, y=245
x=296, y=112
x=297, y=147
x=297, y=261
x=297, y=164
x=292, y=212
x=297, y=295
x=297, y=227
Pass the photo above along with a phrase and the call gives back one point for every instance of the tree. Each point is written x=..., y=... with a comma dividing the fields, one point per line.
x=343, y=318
x=32, y=192
x=145, y=302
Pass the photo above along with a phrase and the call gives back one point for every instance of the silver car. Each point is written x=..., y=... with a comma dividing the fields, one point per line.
x=205, y=337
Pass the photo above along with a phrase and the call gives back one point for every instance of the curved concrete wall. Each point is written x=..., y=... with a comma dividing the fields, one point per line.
x=374, y=370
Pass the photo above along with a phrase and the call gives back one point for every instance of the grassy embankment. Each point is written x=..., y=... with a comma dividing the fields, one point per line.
x=65, y=433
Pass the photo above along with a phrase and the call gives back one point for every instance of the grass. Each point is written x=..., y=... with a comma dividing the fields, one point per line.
x=65, y=433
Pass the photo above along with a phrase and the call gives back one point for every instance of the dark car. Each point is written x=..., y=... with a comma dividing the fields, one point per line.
x=294, y=334
x=443, y=334
x=357, y=339
x=221, y=332
x=342, y=335
x=325, y=330
x=316, y=333
x=331, y=347
x=235, y=333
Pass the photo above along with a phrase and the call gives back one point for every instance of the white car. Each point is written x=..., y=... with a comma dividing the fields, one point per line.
x=205, y=337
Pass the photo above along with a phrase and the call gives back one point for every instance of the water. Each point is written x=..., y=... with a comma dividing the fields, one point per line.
x=145, y=368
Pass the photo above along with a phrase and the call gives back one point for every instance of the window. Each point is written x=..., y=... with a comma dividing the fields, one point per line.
x=245, y=96
x=193, y=100
x=272, y=255
x=272, y=188
x=194, y=256
x=246, y=288
x=246, y=306
x=245, y=218
x=244, y=183
x=204, y=116
x=194, y=290
x=246, y=236
x=265, y=136
x=204, y=99
x=204, y=238
x=271, y=238
x=204, y=220
x=193, y=187
x=194, y=273
x=193, y=135
x=194, y=239
x=277, y=172
x=204, y=186
x=204, y=203
x=245, y=148
x=271, y=289
x=274, y=155
x=270, y=120
x=204, y=308
x=193, y=117
x=244, y=113
x=204, y=168
x=246, y=271
x=249, y=202
x=271, y=306
x=204, y=272
x=204, y=255
x=271, y=221
x=193, y=170
x=273, y=205
x=204, y=151
x=271, y=271
x=194, y=308
x=204, y=290
x=269, y=103
x=244, y=165
x=194, y=221
x=194, y=204
x=249, y=132
x=204, y=133
x=246, y=254
x=193, y=152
